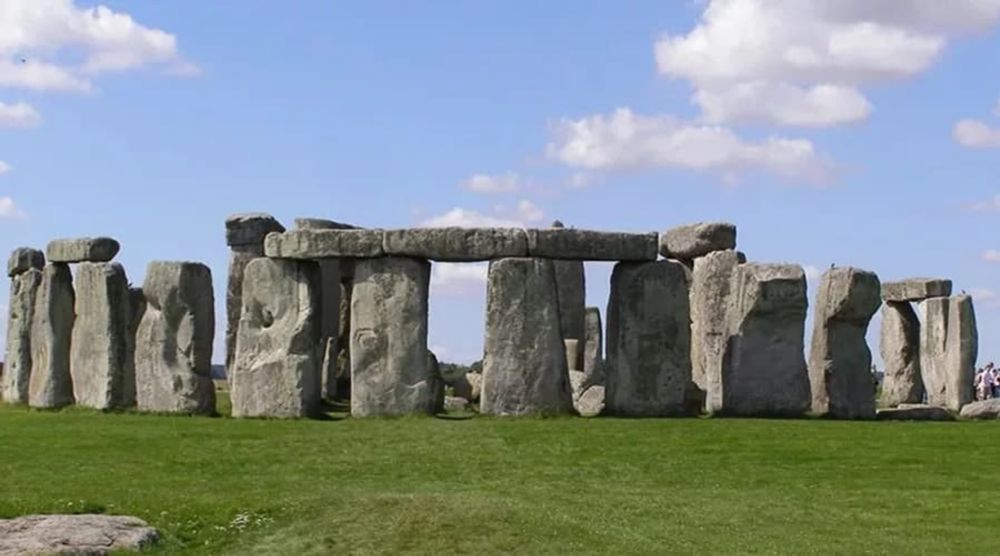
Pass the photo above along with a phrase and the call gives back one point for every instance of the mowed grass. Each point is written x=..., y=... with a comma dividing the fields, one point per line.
x=525, y=486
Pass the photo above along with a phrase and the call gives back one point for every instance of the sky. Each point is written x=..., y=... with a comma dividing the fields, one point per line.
x=851, y=132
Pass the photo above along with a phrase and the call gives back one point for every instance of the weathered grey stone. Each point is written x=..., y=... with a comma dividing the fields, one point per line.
x=173, y=360
x=710, y=283
x=764, y=370
x=985, y=409
x=343, y=359
x=649, y=339
x=330, y=285
x=900, y=348
x=593, y=348
x=137, y=309
x=390, y=370
x=456, y=244
x=325, y=244
x=696, y=240
x=915, y=289
x=455, y=403
x=524, y=369
x=320, y=224
x=99, y=356
x=51, y=384
x=84, y=249
x=250, y=228
x=572, y=355
x=741, y=257
x=276, y=369
x=77, y=534
x=840, y=373
x=17, y=363
x=949, y=345
x=24, y=259
x=571, y=291
x=590, y=402
x=475, y=381
x=587, y=245
x=437, y=383
x=915, y=412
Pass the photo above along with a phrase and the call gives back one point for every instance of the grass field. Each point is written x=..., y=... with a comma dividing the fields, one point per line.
x=435, y=485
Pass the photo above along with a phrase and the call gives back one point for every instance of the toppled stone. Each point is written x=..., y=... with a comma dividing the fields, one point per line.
x=454, y=403
x=390, y=370
x=915, y=412
x=949, y=345
x=51, y=384
x=697, y=240
x=590, y=402
x=456, y=244
x=587, y=245
x=325, y=244
x=86, y=249
x=764, y=370
x=320, y=224
x=524, y=369
x=985, y=409
x=649, y=354
x=250, y=228
x=90, y=534
x=840, y=373
x=99, y=357
x=593, y=348
x=16, y=373
x=915, y=289
x=710, y=283
x=174, y=340
x=24, y=259
x=900, y=348
x=276, y=369
x=571, y=291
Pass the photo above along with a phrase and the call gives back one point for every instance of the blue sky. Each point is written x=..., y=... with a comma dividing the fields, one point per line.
x=855, y=133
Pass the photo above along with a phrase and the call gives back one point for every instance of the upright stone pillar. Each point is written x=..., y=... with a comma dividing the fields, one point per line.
x=840, y=374
x=391, y=372
x=710, y=285
x=649, y=339
x=764, y=370
x=342, y=365
x=51, y=384
x=137, y=308
x=949, y=345
x=245, y=235
x=524, y=368
x=276, y=369
x=174, y=340
x=24, y=270
x=900, y=348
x=99, y=352
x=593, y=348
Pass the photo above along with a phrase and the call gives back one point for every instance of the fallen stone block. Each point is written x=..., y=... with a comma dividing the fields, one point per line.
x=915, y=412
x=590, y=402
x=587, y=245
x=51, y=384
x=697, y=240
x=24, y=259
x=456, y=244
x=985, y=409
x=78, y=250
x=325, y=244
x=900, y=348
x=915, y=289
x=16, y=373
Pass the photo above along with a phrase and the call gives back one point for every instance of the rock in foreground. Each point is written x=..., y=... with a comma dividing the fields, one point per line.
x=986, y=409
x=74, y=534
x=915, y=412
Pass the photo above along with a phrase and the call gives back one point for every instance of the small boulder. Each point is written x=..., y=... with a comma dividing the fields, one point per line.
x=986, y=409
x=74, y=534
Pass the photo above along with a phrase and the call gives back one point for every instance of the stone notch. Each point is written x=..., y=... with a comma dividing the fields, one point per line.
x=696, y=240
x=949, y=345
x=589, y=245
x=324, y=244
x=17, y=364
x=915, y=289
x=321, y=224
x=900, y=348
x=456, y=244
x=250, y=228
x=24, y=259
x=79, y=250
x=843, y=385
x=51, y=384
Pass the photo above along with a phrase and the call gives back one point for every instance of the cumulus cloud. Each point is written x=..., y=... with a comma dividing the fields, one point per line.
x=624, y=140
x=9, y=210
x=991, y=205
x=459, y=279
x=976, y=134
x=483, y=183
x=18, y=115
x=523, y=215
x=800, y=63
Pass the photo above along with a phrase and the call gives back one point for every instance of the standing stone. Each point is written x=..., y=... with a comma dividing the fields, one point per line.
x=764, y=370
x=900, y=348
x=572, y=355
x=948, y=350
x=174, y=340
x=524, y=368
x=710, y=285
x=843, y=385
x=99, y=354
x=51, y=384
x=24, y=259
x=390, y=368
x=245, y=235
x=276, y=369
x=137, y=308
x=649, y=339
x=342, y=363
x=572, y=293
x=593, y=348
x=17, y=363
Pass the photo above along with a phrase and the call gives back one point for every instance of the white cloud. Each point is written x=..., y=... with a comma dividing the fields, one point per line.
x=529, y=212
x=814, y=53
x=976, y=134
x=991, y=255
x=457, y=279
x=992, y=205
x=522, y=216
x=483, y=183
x=53, y=45
x=4, y=167
x=18, y=115
x=985, y=297
x=623, y=140
x=9, y=210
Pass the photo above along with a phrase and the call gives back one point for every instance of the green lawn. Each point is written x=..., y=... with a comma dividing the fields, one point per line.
x=434, y=485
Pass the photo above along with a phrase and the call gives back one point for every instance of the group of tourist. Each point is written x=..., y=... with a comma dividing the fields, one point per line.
x=987, y=382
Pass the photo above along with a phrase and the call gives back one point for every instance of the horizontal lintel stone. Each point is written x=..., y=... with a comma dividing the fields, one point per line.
x=456, y=244
x=915, y=289
x=84, y=249
x=324, y=244
x=589, y=245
